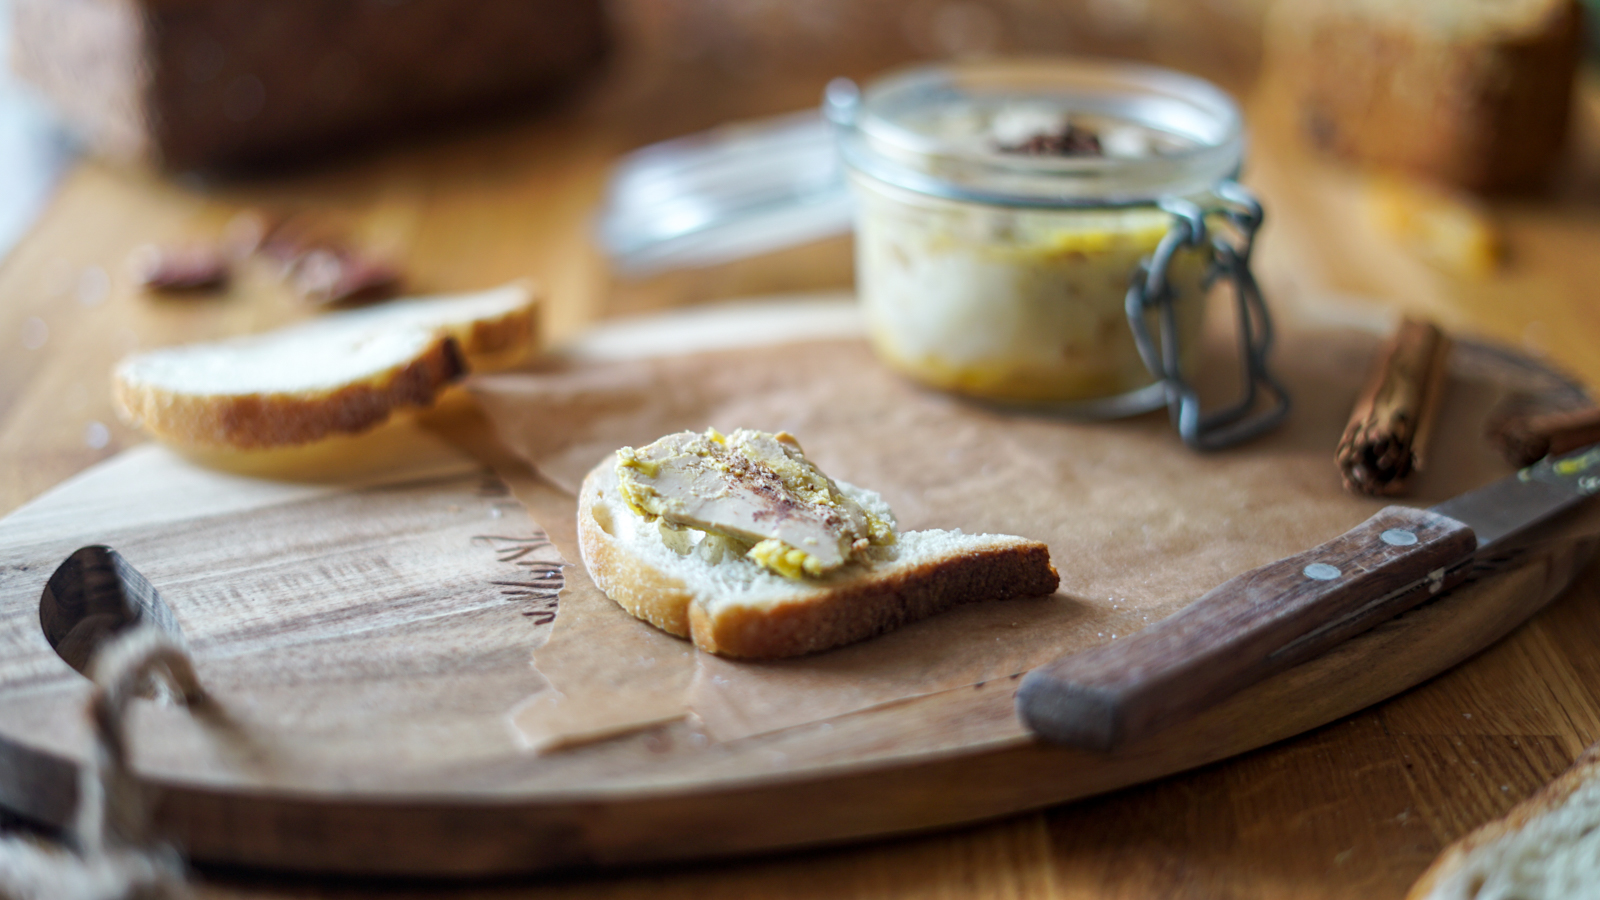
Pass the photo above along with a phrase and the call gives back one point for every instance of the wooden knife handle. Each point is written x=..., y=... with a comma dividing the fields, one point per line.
x=1263, y=621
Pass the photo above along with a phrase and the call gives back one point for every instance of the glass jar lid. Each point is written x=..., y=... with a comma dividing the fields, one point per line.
x=1040, y=132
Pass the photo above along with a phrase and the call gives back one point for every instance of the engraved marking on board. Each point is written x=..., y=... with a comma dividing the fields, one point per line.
x=537, y=581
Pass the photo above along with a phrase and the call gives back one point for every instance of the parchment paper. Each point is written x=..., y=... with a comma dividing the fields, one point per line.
x=1137, y=524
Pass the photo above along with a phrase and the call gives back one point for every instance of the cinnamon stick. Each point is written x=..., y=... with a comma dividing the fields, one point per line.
x=1387, y=438
x=1526, y=439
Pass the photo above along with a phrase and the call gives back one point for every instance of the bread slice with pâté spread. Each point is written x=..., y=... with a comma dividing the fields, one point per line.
x=339, y=373
x=739, y=543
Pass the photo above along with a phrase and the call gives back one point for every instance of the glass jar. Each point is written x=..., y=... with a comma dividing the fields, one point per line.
x=1046, y=232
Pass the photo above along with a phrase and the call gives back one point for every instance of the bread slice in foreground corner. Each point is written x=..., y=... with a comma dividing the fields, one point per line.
x=1546, y=848
x=340, y=373
x=736, y=608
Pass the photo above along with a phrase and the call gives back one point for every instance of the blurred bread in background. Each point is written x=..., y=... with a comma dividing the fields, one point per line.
x=1469, y=92
x=192, y=84
x=1474, y=93
x=224, y=83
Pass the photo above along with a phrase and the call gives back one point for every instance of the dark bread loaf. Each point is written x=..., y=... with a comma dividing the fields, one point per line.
x=225, y=83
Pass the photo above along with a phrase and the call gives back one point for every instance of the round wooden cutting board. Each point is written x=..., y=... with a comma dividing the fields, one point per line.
x=365, y=631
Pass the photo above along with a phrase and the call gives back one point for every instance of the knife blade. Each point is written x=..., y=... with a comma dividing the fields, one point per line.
x=1286, y=612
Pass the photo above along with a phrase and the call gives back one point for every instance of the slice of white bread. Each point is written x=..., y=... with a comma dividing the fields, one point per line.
x=339, y=373
x=735, y=607
x=1546, y=848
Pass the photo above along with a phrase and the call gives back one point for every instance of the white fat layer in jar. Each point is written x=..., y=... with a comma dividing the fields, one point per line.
x=1011, y=304
x=1005, y=208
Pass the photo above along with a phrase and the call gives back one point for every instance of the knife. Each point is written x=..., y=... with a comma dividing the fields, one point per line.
x=1286, y=612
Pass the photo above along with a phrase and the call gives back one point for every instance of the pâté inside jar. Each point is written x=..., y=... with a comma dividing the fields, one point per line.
x=1046, y=231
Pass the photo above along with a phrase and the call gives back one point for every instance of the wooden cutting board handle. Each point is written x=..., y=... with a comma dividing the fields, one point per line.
x=1261, y=622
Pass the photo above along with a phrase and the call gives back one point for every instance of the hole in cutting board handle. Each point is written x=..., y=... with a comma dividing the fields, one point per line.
x=93, y=596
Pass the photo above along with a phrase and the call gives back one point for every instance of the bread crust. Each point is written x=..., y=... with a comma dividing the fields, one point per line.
x=1548, y=799
x=643, y=590
x=816, y=617
x=1485, y=107
x=875, y=604
x=499, y=342
x=279, y=419
x=251, y=421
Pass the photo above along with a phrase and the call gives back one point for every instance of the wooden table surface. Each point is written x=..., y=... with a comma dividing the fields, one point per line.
x=1356, y=809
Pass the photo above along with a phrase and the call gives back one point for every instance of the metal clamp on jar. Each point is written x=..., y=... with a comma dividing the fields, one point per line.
x=1045, y=232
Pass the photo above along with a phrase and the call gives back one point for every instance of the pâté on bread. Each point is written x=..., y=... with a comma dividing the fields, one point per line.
x=741, y=544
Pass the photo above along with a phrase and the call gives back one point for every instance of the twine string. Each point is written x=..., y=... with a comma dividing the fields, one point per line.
x=111, y=852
